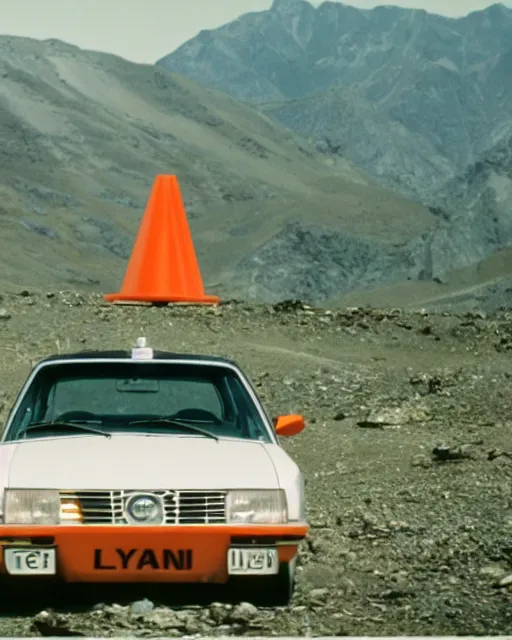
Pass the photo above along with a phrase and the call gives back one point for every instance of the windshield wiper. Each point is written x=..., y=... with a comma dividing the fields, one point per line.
x=176, y=422
x=72, y=426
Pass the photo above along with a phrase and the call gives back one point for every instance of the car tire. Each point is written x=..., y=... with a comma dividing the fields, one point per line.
x=268, y=591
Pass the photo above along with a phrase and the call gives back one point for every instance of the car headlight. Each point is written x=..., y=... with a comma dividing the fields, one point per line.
x=31, y=506
x=257, y=506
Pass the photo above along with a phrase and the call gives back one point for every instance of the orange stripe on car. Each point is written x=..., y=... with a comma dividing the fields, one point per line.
x=107, y=553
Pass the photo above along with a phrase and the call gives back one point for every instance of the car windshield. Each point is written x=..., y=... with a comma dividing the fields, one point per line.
x=143, y=397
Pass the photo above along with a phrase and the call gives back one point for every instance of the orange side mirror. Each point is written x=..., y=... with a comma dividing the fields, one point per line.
x=289, y=425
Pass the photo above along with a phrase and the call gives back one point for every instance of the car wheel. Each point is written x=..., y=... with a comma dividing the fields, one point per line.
x=268, y=591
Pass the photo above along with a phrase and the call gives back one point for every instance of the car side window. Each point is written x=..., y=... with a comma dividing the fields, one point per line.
x=29, y=408
x=247, y=413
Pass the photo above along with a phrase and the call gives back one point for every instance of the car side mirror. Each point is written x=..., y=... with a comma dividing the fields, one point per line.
x=289, y=425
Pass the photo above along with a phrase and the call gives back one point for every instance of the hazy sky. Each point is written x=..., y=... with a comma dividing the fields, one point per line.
x=145, y=30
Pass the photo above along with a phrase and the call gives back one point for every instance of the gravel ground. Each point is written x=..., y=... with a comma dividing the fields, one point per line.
x=407, y=455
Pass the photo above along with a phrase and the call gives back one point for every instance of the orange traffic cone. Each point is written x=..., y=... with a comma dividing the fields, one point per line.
x=163, y=266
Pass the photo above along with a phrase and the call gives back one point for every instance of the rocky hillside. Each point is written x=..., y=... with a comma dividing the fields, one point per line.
x=83, y=134
x=470, y=250
x=485, y=187
x=407, y=459
x=411, y=97
x=475, y=211
x=460, y=260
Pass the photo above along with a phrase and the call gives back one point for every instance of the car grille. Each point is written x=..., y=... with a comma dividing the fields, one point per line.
x=180, y=507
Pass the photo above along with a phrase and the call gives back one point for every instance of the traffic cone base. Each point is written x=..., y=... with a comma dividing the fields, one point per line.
x=119, y=297
x=163, y=266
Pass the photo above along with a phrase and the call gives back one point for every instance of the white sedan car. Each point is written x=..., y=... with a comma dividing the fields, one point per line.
x=148, y=466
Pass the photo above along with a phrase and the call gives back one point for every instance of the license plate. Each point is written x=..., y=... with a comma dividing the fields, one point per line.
x=257, y=561
x=33, y=561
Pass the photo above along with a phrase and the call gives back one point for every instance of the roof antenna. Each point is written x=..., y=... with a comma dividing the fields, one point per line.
x=141, y=351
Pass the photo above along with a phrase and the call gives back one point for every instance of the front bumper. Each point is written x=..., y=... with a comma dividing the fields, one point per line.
x=104, y=553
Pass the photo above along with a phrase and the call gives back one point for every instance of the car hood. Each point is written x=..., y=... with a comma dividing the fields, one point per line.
x=137, y=462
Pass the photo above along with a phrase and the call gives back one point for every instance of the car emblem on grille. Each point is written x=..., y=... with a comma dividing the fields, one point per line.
x=142, y=508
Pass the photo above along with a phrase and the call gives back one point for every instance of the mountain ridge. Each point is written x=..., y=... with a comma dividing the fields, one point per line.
x=437, y=83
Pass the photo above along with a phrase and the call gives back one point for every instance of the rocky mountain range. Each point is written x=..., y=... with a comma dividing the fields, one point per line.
x=82, y=136
x=412, y=98
x=274, y=213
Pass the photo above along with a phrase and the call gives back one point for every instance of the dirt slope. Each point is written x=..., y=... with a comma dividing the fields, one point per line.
x=83, y=134
x=402, y=542
x=486, y=286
